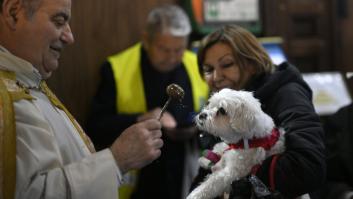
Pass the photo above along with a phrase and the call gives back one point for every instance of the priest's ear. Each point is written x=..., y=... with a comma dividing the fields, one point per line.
x=10, y=11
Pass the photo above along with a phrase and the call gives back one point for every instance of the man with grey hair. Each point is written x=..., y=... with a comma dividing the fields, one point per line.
x=132, y=88
x=44, y=153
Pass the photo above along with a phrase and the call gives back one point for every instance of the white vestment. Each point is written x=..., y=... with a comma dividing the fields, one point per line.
x=52, y=160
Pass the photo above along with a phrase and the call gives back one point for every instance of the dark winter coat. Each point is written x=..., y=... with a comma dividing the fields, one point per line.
x=339, y=142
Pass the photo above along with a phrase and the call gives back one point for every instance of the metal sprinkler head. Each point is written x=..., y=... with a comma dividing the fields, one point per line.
x=175, y=92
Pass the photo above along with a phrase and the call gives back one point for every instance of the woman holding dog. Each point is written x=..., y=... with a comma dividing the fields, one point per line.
x=232, y=57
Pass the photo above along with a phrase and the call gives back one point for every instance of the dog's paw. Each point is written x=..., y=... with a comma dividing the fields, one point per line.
x=220, y=147
x=205, y=163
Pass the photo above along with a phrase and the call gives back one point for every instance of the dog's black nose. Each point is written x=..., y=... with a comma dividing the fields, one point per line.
x=202, y=116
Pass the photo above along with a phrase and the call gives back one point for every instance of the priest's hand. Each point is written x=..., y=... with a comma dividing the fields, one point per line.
x=138, y=145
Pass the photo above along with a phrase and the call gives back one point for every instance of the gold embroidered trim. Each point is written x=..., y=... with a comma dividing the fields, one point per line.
x=7, y=141
x=56, y=102
x=15, y=88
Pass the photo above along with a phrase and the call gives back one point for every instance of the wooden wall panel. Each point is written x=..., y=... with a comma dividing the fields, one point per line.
x=306, y=28
x=344, y=36
x=101, y=28
x=343, y=40
x=316, y=37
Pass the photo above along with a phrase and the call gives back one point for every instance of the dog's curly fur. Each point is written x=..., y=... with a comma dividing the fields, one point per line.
x=233, y=116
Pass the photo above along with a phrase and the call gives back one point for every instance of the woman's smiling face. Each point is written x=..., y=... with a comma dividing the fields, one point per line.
x=221, y=70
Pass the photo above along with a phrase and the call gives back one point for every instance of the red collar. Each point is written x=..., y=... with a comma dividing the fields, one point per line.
x=266, y=142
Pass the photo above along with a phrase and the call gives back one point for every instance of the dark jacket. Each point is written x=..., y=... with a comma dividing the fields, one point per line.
x=339, y=142
x=288, y=100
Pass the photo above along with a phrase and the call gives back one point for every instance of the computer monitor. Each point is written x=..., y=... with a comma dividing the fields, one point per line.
x=273, y=46
x=330, y=91
x=208, y=15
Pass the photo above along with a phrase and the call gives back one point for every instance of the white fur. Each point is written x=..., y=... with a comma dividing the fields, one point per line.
x=217, y=149
x=244, y=118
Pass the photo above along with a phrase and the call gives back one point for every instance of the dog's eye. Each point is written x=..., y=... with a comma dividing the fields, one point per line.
x=221, y=111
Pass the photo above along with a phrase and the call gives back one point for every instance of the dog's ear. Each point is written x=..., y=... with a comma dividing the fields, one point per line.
x=243, y=117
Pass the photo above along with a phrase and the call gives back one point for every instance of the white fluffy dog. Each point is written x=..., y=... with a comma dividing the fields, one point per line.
x=249, y=137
